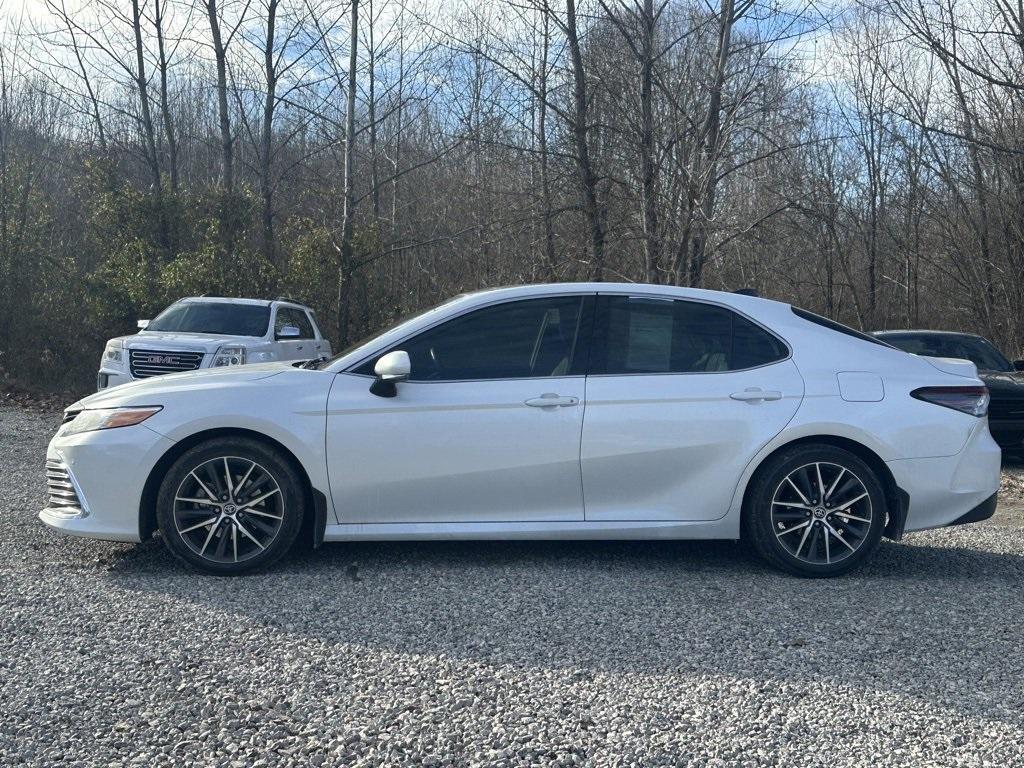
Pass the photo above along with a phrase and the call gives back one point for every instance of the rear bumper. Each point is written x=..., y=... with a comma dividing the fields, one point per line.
x=948, y=489
x=983, y=511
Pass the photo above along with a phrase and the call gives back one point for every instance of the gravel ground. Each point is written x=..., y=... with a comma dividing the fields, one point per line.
x=610, y=654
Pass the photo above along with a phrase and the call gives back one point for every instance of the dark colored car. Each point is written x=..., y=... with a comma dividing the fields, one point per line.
x=1005, y=380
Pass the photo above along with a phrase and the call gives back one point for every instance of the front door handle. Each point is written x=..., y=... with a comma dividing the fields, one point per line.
x=551, y=400
x=756, y=395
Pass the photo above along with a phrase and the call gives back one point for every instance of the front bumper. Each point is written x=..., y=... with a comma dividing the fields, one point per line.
x=109, y=468
x=947, y=489
x=107, y=378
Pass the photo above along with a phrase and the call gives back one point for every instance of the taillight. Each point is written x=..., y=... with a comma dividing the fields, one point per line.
x=969, y=400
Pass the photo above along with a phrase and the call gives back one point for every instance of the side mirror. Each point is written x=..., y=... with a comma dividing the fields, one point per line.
x=389, y=370
x=1018, y=365
x=142, y=324
x=288, y=332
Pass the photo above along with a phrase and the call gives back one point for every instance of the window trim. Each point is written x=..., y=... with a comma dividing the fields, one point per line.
x=663, y=297
x=585, y=308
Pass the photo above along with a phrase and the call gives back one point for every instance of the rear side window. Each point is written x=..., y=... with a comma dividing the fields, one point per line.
x=649, y=335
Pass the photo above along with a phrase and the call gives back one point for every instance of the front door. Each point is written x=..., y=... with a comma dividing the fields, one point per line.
x=486, y=430
x=682, y=396
x=301, y=347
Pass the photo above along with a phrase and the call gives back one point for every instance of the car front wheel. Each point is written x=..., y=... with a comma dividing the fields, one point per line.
x=230, y=505
x=815, y=510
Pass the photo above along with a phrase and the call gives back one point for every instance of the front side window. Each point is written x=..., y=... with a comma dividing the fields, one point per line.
x=217, y=317
x=652, y=335
x=534, y=338
x=293, y=317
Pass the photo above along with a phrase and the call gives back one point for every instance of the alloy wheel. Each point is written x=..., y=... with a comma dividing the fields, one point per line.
x=821, y=513
x=228, y=509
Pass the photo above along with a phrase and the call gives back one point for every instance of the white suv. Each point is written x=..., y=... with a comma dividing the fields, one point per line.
x=208, y=332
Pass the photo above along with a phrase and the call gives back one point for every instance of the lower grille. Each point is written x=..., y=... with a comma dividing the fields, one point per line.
x=156, y=362
x=63, y=495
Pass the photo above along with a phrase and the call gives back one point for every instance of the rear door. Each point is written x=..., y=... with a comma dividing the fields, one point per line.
x=680, y=396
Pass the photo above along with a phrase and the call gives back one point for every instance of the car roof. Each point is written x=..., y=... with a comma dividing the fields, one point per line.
x=925, y=332
x=235, y=300
x=727, y=297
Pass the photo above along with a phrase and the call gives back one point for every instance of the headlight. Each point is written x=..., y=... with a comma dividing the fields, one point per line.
x=114, y=351
x=229, y=356
x=93, y=419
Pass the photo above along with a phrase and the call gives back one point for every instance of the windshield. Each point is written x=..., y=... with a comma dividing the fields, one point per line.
x=220, y=317
x=977, y=350
x=408, y=318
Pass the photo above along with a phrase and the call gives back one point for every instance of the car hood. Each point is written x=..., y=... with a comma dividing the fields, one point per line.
x=148, y=391
x=1000, y=383
x=166, y=340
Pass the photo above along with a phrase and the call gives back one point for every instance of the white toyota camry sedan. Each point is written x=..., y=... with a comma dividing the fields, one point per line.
x=573, y=411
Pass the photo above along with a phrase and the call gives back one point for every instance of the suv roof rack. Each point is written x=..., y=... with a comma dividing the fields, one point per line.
x=747, y=292
x=289, y=300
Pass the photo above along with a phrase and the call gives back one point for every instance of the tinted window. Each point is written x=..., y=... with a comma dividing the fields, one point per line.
x=522, y=339
x=296, y=318
x=972, y=348
x=645, y=335
x=832, y=325
x=218, y=317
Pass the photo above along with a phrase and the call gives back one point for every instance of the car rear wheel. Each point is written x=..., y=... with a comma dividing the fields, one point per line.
x=230, y=505
x=816, y=510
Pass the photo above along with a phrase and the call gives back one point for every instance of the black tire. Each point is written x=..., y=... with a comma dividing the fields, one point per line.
x=191, y=496
x=775, y=512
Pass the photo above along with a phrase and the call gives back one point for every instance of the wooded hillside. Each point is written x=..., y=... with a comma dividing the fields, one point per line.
x=372, y=157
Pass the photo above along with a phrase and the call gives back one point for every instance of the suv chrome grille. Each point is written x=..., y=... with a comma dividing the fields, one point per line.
x=63, y=496
x=156, y=362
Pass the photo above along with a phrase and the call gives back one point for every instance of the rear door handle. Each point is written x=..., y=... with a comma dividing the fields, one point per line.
x=756, y=395
x=551, y=400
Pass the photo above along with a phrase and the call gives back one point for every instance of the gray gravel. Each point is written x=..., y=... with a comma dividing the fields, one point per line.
x=502, y=654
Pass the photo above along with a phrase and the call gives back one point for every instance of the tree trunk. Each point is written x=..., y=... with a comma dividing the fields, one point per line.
x=550, y=265
x=267, y=136
x=710, y=137
x=165, y=107
x=589, y=200
x=347, y=267
x=149, y=134
x=648, y=167
x=220, y=54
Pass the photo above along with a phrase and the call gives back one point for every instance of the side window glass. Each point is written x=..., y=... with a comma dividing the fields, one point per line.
x=649, y=335
x=534, y=338
x=305, y=327
x=753, y=346
x=280, y=320
x=296, y=318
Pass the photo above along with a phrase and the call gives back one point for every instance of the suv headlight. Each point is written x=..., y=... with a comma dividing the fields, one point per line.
x=114, y=352
x=231, y=355
x=93, y=419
